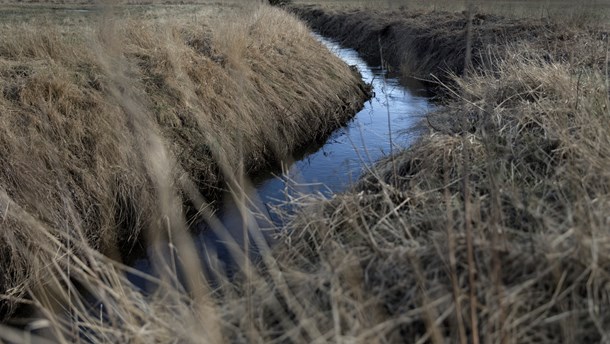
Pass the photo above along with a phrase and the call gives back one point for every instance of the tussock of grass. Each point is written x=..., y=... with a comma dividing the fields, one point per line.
x=102, y=127
x=494, y=227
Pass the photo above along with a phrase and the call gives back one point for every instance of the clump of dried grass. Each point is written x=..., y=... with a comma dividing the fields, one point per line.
x=494, y=231
x=107, y=130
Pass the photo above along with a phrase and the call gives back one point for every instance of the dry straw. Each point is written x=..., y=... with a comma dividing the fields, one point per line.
x=110, y=129
x=386, y=261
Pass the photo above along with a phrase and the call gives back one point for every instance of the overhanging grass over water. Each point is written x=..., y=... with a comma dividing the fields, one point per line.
x=113, y=129
x=394, y=113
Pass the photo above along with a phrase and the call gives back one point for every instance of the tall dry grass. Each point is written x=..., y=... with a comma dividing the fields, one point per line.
x=534, y=193
x=111, y=129
x=494, y=224
x=494, y=227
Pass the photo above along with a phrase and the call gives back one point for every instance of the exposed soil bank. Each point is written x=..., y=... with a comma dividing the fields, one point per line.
x=106, y=130
x=432, y=44
x=494, y=226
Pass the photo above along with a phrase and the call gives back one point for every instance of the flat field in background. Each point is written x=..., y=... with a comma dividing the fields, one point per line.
x=69, y=14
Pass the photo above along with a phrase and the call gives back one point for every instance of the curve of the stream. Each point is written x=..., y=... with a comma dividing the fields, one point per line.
x=390, y=116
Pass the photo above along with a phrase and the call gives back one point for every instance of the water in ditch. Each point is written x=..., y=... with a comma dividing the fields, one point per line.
x=322, y=169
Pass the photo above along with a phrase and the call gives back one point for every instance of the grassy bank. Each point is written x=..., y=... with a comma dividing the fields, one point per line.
x=437, y=40
x=560, y=10
x=493, y=227
x=116, y=125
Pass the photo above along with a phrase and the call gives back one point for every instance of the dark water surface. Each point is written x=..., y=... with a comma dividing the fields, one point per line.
x=365, y=139
x=320, y=169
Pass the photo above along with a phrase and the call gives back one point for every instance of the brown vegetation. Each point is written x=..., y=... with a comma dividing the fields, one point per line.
x=493, y=227
x=431, y=45
x=555, y=10
x=104, y=128
x=519, y=197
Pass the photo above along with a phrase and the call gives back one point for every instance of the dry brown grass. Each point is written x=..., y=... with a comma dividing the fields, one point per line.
x=496, y=224
x=554, y=10
x=436, y=40
x=496, y=229
x=107, y=128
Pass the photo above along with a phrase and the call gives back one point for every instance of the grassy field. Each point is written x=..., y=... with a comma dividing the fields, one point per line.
x=492, y=228
x=87, y=13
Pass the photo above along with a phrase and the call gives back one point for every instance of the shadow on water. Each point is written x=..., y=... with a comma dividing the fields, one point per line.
x=321, y=168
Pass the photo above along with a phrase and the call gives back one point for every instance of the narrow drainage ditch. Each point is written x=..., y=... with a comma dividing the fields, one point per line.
x=390, y=116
